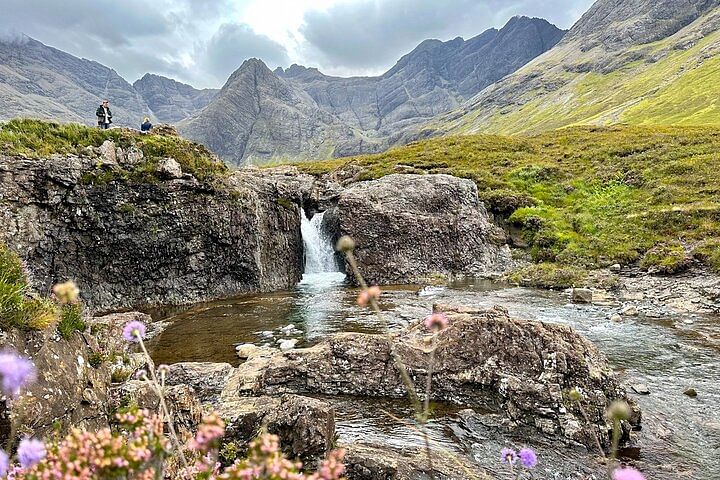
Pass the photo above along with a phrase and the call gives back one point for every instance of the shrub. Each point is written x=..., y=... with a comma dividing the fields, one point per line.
x=39, y=314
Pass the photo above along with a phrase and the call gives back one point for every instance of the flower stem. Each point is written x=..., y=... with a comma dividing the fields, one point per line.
x=587, y=420
x=163, y=406
x=615, y=444
x=420, y=412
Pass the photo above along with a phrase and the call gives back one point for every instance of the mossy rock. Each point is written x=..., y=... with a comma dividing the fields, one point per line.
x=666, y=259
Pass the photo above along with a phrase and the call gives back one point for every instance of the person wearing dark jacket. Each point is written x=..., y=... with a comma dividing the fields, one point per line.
x=104, y=115
x=146, y=125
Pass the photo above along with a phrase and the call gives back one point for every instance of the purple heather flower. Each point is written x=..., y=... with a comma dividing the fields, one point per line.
x=627, y=473
x=16, y=372
x=4, y=463
x=528, y=458
x=30, y=451
x=133, y=330
x=508, y=455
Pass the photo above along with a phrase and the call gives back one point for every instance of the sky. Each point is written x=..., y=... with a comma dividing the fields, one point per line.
x=201, y=42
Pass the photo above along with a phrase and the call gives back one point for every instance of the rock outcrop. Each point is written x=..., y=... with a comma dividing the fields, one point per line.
x=485, y=359
x=409, y=228
x=71, y=390
x=171, y=240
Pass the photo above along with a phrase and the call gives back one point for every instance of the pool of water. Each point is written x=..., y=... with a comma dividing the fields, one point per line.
x=680, y=436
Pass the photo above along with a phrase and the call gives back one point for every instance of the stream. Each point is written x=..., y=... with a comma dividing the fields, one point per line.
x=680, y=437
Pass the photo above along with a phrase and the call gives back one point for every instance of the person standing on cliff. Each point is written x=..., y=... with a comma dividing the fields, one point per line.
x=104, y=115
x=146, y=126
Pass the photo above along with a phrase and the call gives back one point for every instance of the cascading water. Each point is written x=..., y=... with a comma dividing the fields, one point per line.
x=321, y=288
x=319, y=251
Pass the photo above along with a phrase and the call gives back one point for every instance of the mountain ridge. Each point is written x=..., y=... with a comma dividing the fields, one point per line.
x=364, y=114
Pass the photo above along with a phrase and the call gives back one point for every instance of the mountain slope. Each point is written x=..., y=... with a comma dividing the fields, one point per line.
x=42, y=82
x=312, y=115
x=170, y=100
x=624, y=61
x=257, y=116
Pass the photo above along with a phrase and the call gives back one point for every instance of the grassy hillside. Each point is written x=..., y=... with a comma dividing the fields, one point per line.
x=585, y=196
x=673, y=81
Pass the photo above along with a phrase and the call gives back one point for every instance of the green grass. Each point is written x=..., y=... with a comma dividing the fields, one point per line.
x=19, y=308
x=71, y=320
x=38, y=139
x=583, y=196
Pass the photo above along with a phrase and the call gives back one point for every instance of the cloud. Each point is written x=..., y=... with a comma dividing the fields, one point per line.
x=233, y=43
x=373, y=34
x=202, y=41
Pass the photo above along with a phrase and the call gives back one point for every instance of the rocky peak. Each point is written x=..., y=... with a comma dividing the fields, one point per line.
x=170, y=100
x=298, y=71
x=40, y=81
x=619, y=23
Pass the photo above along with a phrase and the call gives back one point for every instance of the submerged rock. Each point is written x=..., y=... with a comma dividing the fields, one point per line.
x=690, y=392
x=484, y=359
x=582, y=295
x=411, y=228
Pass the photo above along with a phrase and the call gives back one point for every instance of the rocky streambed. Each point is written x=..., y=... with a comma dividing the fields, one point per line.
x=653, y=349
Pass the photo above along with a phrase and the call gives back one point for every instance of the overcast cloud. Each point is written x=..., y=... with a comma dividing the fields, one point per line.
x=202, y=41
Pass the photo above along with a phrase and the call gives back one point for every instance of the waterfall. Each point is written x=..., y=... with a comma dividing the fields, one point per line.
x=319, y=250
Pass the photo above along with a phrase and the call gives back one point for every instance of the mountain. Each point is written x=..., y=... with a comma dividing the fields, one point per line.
x=624, y=61
x=42, y=82
x=301, y=113
x=170, y=100
x=257, y=115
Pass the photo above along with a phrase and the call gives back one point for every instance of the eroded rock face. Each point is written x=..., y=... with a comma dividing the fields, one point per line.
x=70, y=390
x=408, y=228
x=170, y=241
x=486, y=359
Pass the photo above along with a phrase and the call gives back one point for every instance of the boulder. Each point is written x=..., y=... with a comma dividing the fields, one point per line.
x=582, y=295
x=306, y=426
x=245, y=350
x=169, y=168
x=484, y=359
x=183, y=405
x=108, y=154
x=206, y=378
x=383, y=462
x=413, y=228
